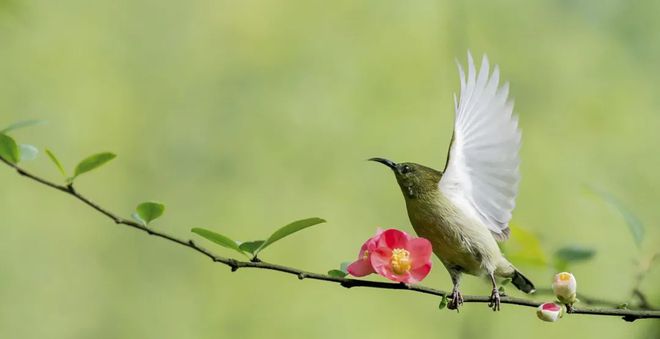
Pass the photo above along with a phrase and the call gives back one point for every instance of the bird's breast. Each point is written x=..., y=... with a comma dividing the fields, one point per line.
x=459, y=241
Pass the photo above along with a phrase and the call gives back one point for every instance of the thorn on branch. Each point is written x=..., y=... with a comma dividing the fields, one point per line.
x=346, y=284
x=302, y=275
x=233, y=264
x=629, y=318
x=255, y=259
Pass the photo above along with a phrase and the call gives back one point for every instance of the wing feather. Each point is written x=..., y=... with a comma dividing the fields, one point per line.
x=482, y=171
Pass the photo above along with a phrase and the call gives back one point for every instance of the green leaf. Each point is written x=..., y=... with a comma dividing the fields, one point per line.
x=251, y=246
x=93, y=162
x=524, y=246
x=8, y=149
x=219, y=239
x=28, y=152
x=22, y=124
x=635, y=226
x=337, y=273
x=573, y=253
x=443, y=302
x=505, y=282
x=150, y=211
x=57, y=162
x=287, y=230
x=341, y=272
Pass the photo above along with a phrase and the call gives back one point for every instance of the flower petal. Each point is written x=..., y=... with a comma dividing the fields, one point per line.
x=393, y=238
x=550, y=307
x=360, y=268
x=419, y=273
x=404, y=278
x=380, y=257
x=420, y=252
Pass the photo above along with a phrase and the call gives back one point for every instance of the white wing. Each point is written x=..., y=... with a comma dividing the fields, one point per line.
x=481, y=175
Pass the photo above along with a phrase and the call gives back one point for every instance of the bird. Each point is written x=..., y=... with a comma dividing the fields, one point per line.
x=465, y=210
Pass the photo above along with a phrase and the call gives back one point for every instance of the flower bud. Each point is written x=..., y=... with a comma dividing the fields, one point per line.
x=550, y=312
x=565, y=287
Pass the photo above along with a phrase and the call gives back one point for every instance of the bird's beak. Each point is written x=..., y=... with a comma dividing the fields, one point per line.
x=389, y=163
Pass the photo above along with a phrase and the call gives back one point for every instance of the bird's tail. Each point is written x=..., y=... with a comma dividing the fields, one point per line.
x=522, y=283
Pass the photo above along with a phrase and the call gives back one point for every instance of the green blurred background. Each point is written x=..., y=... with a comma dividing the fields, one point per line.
x=244, y=115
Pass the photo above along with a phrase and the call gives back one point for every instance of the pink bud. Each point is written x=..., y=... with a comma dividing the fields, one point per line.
x=550, y=312
x=564, y=286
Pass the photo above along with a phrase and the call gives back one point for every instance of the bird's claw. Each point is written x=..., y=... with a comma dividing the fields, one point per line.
x=494, y=300
x=455, y=300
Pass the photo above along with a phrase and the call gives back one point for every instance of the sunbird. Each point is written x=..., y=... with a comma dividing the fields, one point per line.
x=465, y=209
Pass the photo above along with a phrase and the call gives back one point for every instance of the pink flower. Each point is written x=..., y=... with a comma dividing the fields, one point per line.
x=362, y=266
x=395, y=255
x=400, y=257
x=550, y=312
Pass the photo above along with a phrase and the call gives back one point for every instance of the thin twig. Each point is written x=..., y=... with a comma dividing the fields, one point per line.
x=645, y=266
x=626, y=314
x=586, y=299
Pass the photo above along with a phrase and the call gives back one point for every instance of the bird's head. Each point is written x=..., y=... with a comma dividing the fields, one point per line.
x=414, y=179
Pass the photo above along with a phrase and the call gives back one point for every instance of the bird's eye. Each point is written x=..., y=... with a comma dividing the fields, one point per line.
x=405, y=169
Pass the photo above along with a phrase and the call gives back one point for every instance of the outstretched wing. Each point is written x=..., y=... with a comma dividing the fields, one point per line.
x=481, y=176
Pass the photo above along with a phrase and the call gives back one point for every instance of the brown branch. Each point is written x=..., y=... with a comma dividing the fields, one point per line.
x=626, y=314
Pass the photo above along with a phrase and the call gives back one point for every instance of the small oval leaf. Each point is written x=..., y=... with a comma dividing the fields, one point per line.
x=28, y=152
x=251, y=246
x=22, y=124
x=443, y=302
x=217, y=238
x=337, y=273
x=149, y=211
x=9, y=149
x=93, y=162
x=288, y=230
x=573, y=253
x=57, y=162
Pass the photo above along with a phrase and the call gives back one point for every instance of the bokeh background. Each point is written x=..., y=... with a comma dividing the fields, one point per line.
x=244, y=115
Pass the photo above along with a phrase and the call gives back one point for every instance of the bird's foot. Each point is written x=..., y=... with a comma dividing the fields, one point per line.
x=455, y=300
x=494, y=300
